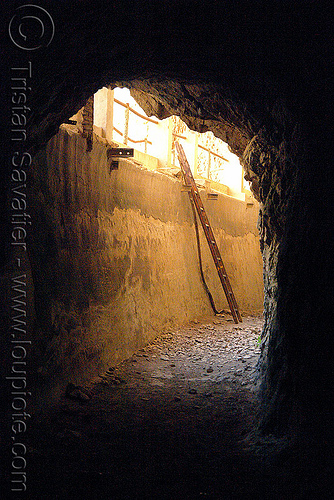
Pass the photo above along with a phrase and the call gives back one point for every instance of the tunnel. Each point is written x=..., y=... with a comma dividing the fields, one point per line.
x=257, y=76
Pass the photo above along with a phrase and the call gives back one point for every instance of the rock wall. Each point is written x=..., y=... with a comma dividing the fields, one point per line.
x=115, y=257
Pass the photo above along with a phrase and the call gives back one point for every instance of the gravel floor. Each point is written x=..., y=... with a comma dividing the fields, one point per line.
x=168, y=423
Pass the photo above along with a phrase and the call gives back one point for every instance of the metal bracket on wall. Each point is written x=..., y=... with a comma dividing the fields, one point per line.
x=212, y=196
x=114, y=154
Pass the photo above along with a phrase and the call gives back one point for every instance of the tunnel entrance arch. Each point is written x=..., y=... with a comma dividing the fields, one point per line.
x=269, y=122
x=257, y=150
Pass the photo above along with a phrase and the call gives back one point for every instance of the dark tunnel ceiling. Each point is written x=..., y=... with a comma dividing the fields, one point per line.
x=200, y=60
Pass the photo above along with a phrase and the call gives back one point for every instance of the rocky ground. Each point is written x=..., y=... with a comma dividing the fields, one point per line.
x=169, y=423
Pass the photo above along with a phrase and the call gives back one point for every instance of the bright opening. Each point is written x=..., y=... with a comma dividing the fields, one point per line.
x=119, y=118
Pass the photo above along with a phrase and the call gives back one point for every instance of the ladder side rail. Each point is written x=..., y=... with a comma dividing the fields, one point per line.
x=209, y=235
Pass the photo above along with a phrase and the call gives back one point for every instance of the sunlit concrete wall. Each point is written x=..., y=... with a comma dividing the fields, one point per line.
x=115, y=258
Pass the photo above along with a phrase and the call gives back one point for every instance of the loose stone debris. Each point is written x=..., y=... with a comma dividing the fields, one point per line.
x=164, y=424
x=77, y=393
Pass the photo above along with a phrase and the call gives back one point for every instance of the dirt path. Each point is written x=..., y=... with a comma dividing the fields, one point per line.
x=166, y=424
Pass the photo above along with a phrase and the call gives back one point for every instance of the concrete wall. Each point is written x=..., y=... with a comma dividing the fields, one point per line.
x=115, y=258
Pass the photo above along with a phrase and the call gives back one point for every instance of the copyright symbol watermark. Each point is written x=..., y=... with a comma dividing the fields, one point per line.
x=31, y=27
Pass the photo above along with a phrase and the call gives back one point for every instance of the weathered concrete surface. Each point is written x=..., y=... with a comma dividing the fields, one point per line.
x=115, y=256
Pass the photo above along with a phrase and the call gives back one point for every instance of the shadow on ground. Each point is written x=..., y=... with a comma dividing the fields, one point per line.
x=169, y=423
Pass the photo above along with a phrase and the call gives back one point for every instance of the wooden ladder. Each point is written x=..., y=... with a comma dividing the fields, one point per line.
x=190, y=182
